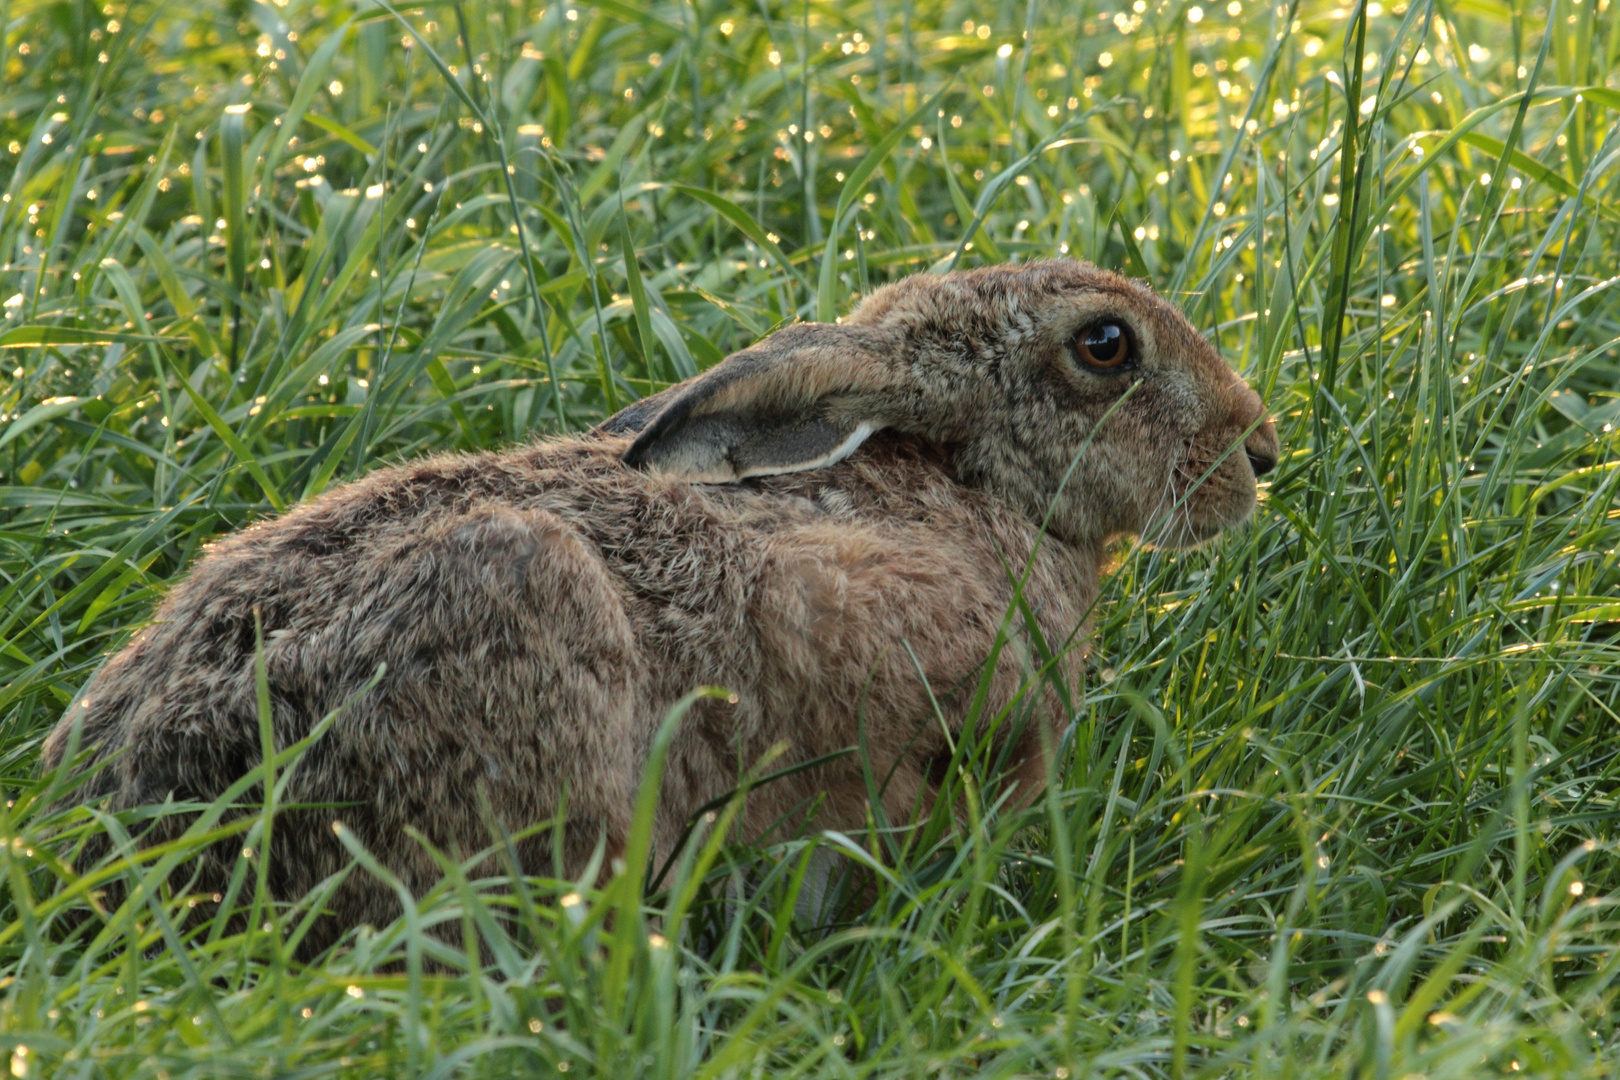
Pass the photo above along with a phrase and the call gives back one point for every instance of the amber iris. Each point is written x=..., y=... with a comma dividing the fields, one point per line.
x=1103, y=346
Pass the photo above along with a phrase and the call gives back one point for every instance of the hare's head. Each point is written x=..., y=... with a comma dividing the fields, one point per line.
x=1063, y=388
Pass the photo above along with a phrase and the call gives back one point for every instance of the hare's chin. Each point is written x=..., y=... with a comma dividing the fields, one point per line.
x=1181, y=536
x=1200, y=523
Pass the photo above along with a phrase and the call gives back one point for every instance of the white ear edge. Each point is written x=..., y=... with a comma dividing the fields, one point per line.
x=832, y=457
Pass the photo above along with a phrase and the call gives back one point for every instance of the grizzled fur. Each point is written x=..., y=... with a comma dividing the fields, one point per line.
x=783, y=525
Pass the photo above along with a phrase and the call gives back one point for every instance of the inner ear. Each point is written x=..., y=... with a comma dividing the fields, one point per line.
x=725, y=447
x=811, y=444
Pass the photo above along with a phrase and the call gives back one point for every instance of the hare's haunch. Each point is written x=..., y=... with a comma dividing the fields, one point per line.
x=795, y=525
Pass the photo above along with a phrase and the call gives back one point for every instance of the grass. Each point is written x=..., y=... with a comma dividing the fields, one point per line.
x=1340, y=798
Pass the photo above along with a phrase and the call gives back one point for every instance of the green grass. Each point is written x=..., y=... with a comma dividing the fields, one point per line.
x=1341, y=797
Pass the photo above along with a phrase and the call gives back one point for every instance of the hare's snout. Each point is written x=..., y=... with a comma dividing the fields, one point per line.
x=1216, y=476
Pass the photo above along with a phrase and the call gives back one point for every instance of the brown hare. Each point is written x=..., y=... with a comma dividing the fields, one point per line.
x=796, y=525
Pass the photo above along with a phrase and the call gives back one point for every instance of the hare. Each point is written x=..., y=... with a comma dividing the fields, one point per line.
x=828, y=523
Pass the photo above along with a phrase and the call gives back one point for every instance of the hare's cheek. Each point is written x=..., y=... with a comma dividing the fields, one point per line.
x=1179, y=402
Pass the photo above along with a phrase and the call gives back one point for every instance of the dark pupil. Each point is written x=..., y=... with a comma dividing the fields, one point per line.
x=1103, y=342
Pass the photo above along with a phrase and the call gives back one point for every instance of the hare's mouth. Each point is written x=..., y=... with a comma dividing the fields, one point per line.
x=1204, y=494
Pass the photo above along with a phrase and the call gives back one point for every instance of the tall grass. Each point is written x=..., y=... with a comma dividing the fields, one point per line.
x=1339, y=798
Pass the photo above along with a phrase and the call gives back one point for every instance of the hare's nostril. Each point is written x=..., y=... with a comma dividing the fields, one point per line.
x=1260, y=463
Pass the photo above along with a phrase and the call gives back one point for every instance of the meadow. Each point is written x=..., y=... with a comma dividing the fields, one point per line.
x=1340, y=794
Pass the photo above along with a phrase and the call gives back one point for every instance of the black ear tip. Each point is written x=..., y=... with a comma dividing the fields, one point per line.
x=1261, y=463
x=635, y=456
x=665, y=420
x=618, y=424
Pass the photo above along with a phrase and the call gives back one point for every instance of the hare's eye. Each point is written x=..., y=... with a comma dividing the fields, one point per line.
x=1104, y=346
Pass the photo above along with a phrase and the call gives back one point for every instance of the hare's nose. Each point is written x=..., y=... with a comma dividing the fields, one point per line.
x=1261, y=445
x=1262, y=448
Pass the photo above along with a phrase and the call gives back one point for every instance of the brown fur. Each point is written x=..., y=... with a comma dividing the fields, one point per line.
x=540, y=610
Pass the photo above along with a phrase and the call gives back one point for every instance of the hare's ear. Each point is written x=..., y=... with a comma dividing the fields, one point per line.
x=803, y=398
